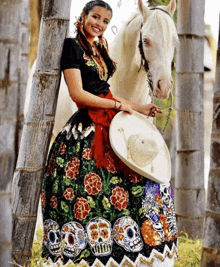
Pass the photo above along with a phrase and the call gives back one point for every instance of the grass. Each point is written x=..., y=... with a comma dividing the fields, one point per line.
x=189, y=252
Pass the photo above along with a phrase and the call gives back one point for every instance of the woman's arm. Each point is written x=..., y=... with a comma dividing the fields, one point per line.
x=74, y=83
x=144, y=109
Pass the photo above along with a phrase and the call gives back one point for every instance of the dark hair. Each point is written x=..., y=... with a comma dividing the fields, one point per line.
x=91, y=4
x=102, y=48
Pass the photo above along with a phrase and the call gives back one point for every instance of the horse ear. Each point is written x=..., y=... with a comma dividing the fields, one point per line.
x=143, y=9
x=171, y=8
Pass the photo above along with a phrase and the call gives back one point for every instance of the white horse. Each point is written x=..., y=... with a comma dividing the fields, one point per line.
x=159, y=38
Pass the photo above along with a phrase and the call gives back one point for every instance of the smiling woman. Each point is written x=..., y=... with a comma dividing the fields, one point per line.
x=95, y=208
x=95, y=22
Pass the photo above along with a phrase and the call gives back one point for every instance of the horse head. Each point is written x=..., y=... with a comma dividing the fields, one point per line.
x=159, y=38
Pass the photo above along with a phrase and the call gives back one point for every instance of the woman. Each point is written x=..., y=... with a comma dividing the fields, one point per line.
x=94, y=207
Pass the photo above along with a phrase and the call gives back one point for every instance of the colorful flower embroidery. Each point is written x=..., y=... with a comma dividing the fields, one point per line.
x=150, y=236
x=119, y=198
x=68, y=194
x=62, y=148
x=87, y=153
x=111, y=167
x=93, y=183
x=135, y=178
x=53, y=202
x=158, y=200
x=94, y=234
x=118, y=233
x=72, y=168
x=43, y=199
x=51, y=165
x=104, y=233
x=81, y=208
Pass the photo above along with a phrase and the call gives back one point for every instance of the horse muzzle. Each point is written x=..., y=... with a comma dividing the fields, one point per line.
x=163, y=89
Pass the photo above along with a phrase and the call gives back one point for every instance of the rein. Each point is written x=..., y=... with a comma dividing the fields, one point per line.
x=149, y=76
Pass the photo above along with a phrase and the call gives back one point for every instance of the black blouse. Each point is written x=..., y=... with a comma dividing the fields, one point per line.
x=74, y=56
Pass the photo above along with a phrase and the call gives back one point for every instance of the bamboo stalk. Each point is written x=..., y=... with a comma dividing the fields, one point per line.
x=38, y=127
x=10, y=46
x=189, y=183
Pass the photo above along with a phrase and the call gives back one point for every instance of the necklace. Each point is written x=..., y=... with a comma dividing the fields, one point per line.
x=100, y=63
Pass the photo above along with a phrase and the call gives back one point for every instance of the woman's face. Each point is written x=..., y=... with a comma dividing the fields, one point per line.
x=96, y=22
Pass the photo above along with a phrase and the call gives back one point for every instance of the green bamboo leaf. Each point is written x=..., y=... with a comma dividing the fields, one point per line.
x=91, y=202
x=106, y=203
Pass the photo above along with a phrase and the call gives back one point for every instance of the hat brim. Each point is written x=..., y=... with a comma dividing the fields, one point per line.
x=137, y=123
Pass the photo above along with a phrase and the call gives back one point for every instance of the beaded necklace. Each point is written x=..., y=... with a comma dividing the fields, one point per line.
x=101, y=65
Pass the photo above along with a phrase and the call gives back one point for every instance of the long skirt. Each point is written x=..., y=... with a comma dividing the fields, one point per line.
x=99, y=216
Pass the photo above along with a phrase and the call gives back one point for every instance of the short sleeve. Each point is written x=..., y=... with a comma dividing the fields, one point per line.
x=70, y=55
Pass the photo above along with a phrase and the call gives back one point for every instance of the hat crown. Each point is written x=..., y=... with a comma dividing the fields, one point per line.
x=143, y=148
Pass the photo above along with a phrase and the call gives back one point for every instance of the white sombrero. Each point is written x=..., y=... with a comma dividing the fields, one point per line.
x=138, y=143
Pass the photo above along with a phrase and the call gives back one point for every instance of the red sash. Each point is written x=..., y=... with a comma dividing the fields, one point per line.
x=101, y=148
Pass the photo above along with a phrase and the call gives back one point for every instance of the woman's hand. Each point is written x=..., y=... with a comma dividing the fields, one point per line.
x=123, y=107
x=150, y=110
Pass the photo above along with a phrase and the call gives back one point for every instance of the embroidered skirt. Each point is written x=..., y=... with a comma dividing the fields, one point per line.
x=97, y=215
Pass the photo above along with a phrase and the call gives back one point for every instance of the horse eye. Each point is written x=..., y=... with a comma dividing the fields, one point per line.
x=146, y=41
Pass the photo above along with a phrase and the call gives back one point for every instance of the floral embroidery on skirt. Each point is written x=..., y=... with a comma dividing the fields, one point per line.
x=97, y=214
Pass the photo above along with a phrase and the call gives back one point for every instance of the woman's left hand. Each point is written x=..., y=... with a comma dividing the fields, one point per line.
x=150, y=110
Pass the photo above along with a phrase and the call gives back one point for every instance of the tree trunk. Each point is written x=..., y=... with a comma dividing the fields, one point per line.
x=36, y=7
x=24, y=66
x=189, y=183
x=10, y=45
x=211, y=244
x=38, y=127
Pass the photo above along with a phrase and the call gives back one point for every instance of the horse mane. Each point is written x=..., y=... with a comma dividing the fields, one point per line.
x=117, y=46
x=163, y=22
x=156, y=19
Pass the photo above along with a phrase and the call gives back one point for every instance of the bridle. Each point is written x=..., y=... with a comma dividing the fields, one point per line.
x=149, y=76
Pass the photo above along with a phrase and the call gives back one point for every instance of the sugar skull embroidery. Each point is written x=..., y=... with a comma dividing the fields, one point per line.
x=127, y=235
x=74, y=239
x=51, y=237
x=99, y=236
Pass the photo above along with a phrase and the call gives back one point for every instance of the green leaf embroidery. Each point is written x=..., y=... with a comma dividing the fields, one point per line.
x=106, y=203
x=64, y=206
x=55, y=187
x=85, y=254
x=137, y=190
x=52, y=214
x=126, y=212
x=77, y=146
x=141, y=211
x=115, y=180
x=55, y=173
x=60, y=162
x=91, y=202
x=81, y=190
x=66, y=180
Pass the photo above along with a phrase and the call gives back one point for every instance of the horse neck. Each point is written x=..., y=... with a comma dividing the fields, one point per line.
x=131, y=53
x=128, y=81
